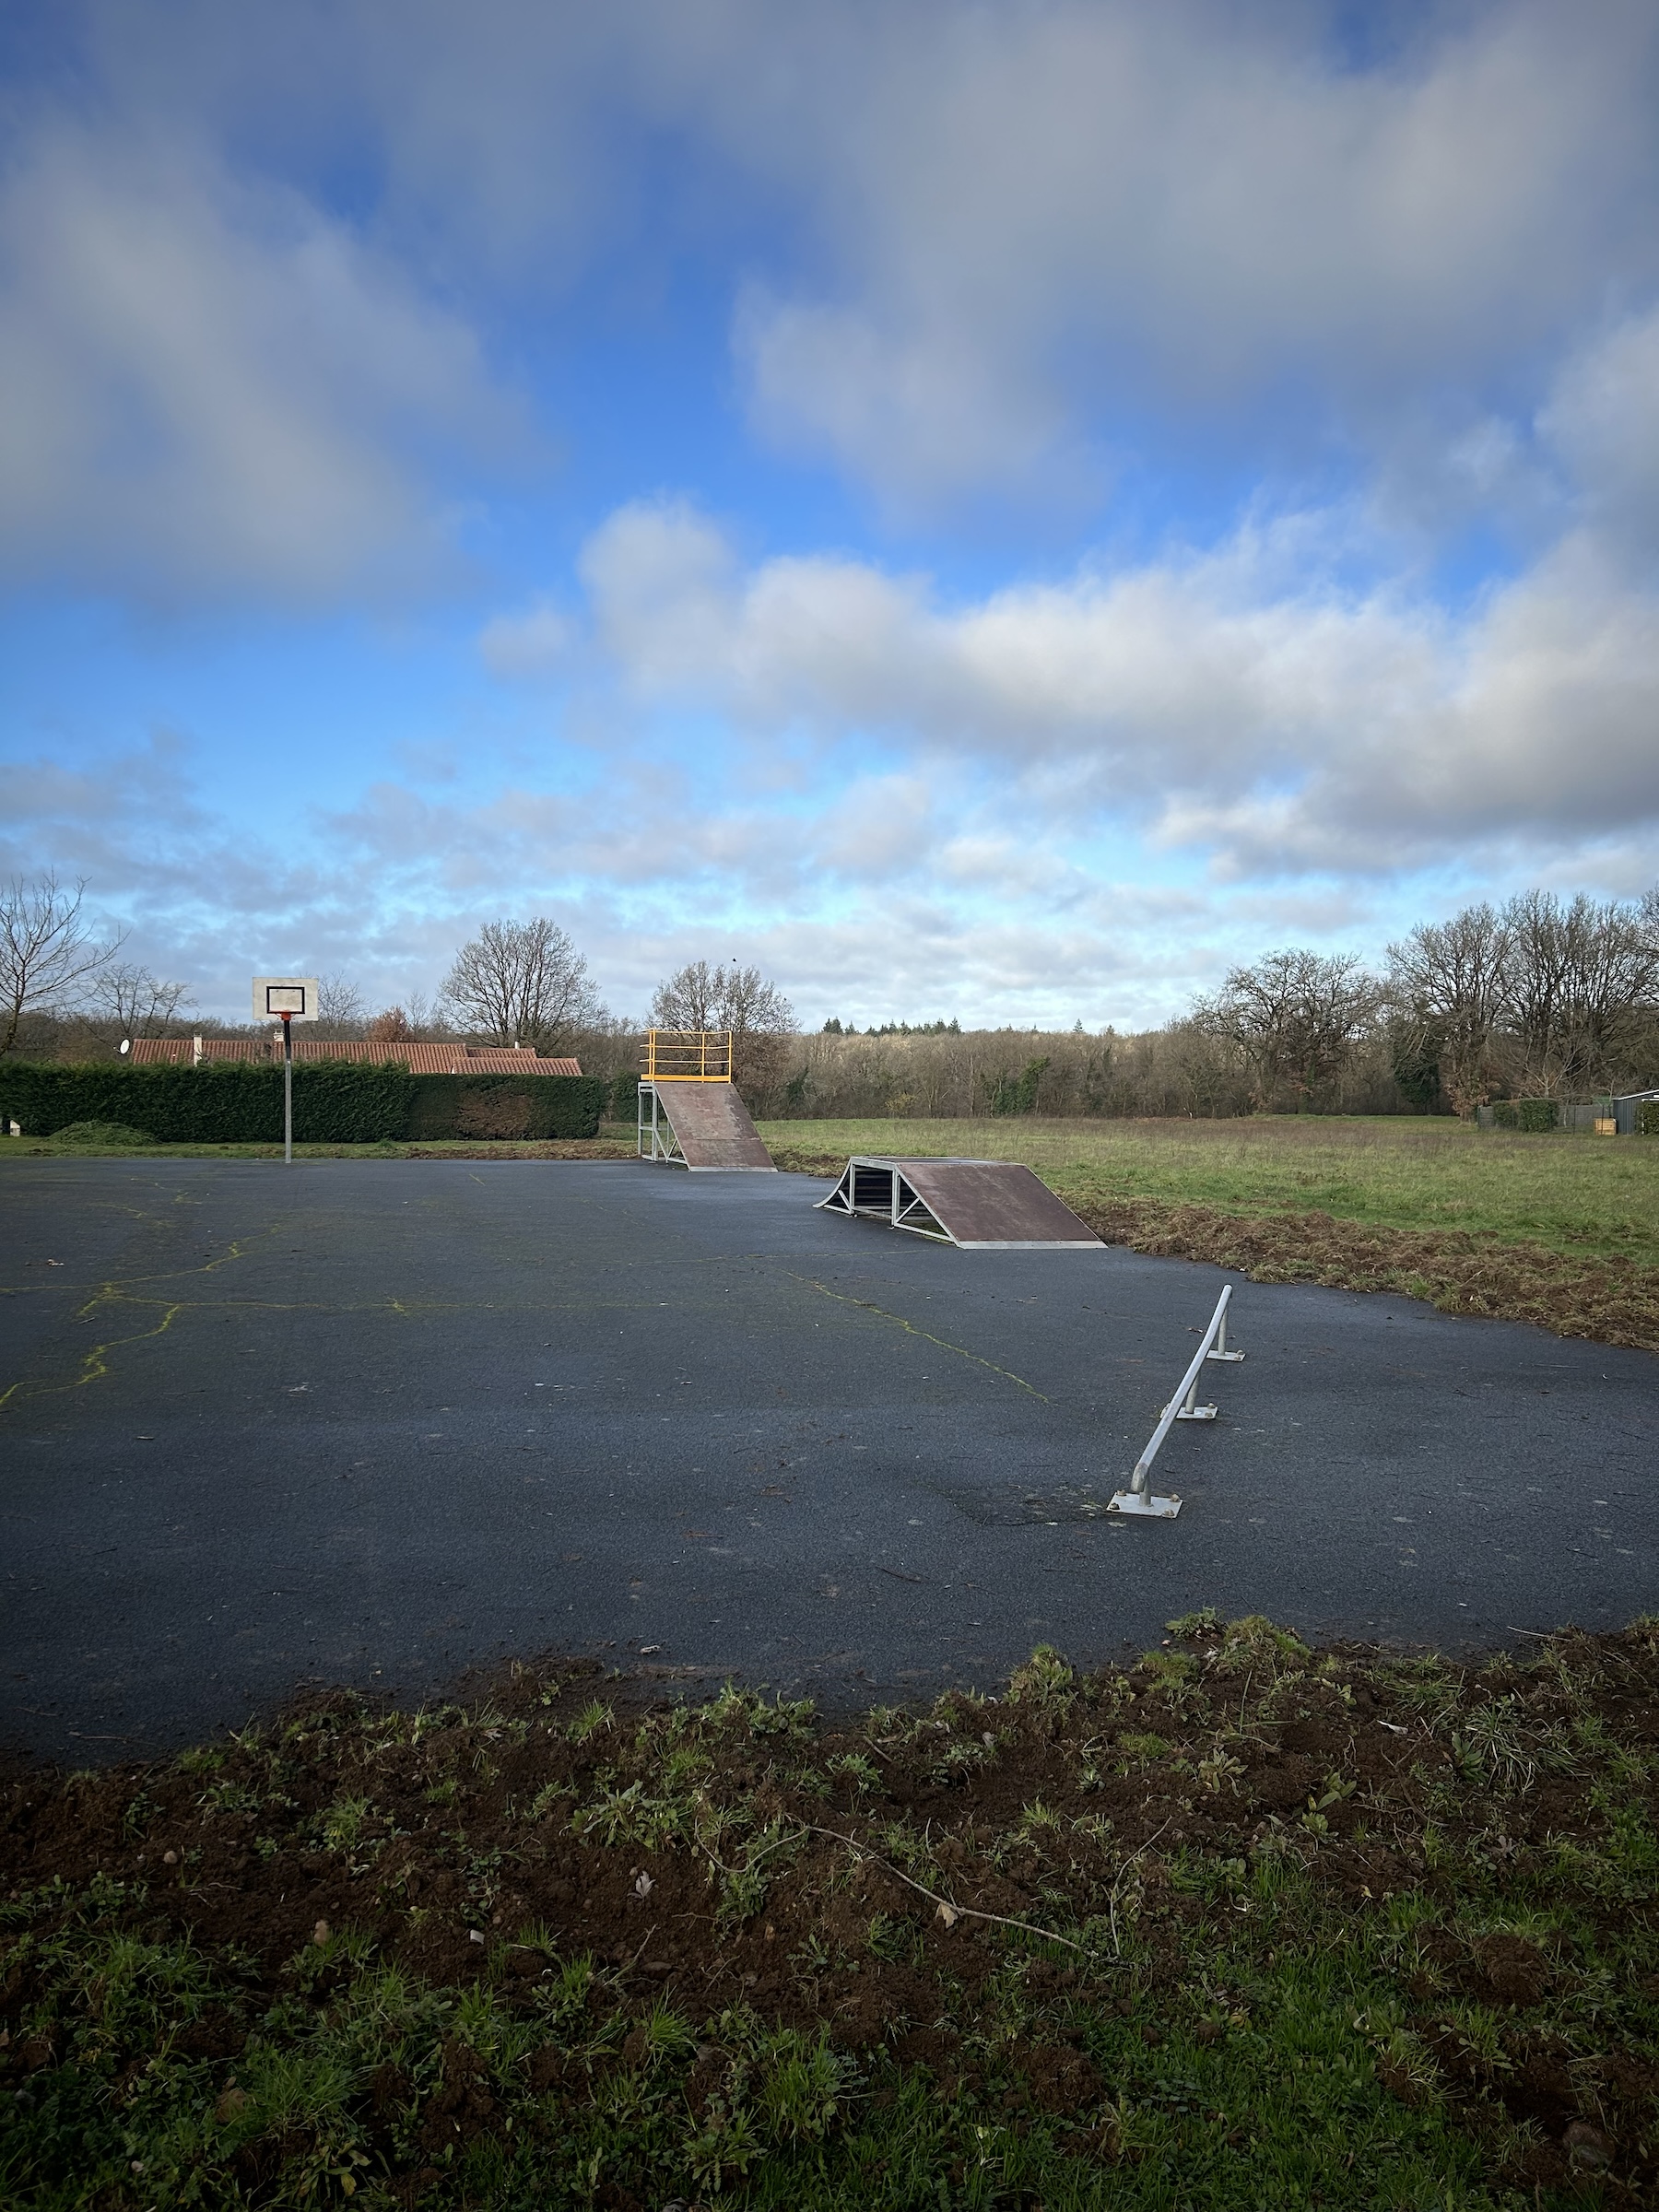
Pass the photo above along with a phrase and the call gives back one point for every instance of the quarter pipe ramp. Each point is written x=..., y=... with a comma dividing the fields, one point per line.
x=705, y=1126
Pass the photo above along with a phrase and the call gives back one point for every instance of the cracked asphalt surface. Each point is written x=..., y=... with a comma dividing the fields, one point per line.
x=379, y=1422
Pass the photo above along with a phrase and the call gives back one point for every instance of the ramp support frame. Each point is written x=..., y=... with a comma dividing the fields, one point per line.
x=877, y=1191
x=657, y=1140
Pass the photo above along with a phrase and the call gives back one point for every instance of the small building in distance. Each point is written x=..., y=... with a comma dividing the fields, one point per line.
x=447, y=1058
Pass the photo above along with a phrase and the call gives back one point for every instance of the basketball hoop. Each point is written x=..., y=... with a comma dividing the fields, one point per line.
x=287, y=999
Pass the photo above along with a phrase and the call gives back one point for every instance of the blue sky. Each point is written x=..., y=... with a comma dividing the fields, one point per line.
x=993, y=511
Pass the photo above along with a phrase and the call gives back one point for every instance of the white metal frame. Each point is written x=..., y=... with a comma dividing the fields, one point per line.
x=875, y=1190
x=657, y=1140
x=1183, y=1406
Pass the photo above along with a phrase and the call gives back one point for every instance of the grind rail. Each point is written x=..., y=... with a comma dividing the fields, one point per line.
x=1183, y=1406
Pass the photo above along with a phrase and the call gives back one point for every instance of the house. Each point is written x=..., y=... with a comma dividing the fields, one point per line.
x=446, y=1058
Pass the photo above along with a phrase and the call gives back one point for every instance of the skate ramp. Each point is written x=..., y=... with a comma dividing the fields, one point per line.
x=708, y=1128
x=982, y=1204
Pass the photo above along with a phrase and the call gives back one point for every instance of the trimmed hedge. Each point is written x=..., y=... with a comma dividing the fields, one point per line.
x=336, y=1102
x=625, y=1097
x=1532, y=1116
x=1647, y=1118
x=504, y=1106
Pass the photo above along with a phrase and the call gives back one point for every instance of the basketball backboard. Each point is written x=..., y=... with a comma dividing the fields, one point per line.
x=275, y=996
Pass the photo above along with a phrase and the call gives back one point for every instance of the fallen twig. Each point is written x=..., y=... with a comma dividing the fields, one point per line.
x=946, y=1903
x=1117, y=1948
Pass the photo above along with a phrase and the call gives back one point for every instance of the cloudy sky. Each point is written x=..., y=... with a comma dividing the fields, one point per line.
x=988, y=509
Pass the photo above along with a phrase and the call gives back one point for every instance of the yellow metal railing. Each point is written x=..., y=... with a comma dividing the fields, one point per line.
x=687, y=1056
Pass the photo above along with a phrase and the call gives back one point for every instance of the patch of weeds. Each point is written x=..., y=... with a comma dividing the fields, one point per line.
x=1045, y=1678
x=1204, y=1621
x=595, y=1716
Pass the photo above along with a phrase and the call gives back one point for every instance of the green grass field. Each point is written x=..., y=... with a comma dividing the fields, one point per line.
x=1576, y=1194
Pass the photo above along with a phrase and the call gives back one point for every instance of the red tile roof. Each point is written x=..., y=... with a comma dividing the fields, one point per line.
x=446, y=1058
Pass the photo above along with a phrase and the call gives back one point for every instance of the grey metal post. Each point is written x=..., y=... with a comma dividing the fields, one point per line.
x=287, y=1090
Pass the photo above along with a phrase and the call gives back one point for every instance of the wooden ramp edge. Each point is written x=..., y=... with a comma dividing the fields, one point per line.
x=709, y=1128
x=980, y=1205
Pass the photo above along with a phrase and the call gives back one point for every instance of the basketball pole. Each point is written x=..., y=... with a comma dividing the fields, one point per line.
x=288, y=1088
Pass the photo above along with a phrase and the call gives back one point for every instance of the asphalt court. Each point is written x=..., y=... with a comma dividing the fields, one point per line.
x=382, y=1421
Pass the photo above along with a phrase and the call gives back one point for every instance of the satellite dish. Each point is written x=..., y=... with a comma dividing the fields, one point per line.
x=127, y=1044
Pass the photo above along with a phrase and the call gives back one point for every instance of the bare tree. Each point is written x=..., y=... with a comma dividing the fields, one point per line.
x=1295, y=1017
x=47, y=955
x=1449, y=982
x=520, y=982
x=342, y=1010
x=137, y=1003
x=1584, y=977
x=736, y=998
x=413, y=1022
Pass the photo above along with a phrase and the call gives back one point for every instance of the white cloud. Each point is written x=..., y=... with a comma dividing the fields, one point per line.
x=1221, y=700
x=965, y=246
x=919, y=412
x=536, y=643
x=1602, y=420
x=1034, y=216
x=213, y=390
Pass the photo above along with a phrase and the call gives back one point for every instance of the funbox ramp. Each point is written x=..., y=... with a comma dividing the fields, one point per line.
x=708, y=1128
x=982, y=1204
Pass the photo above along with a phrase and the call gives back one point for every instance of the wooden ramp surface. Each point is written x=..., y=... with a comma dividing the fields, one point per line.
x=979, y=1204
x=713, y=1126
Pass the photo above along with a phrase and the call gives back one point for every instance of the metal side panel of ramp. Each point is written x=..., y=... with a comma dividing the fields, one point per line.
x=982, y=1204
x=708, y=1129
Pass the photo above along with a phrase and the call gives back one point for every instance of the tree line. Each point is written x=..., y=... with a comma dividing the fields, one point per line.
x=1541, y=997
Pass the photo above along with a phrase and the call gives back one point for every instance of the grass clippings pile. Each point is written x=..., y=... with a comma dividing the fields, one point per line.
x=1242, y=1926
x=99, y=1136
